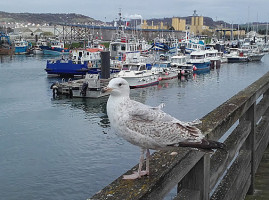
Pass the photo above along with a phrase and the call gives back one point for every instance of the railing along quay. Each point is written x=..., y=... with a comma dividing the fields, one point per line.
x=242, y=123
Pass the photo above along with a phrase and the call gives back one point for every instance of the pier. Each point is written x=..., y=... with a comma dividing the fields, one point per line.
x=242, y=123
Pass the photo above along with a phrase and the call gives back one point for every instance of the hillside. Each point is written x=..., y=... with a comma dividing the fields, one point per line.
x=42, y=18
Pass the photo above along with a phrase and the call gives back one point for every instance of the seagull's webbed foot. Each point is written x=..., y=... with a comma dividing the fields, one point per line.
x=140, y=172
x=135, y=175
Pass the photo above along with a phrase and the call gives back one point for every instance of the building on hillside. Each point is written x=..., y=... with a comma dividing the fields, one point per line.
x=197, y=26
x=153, y=26
x=177, y=23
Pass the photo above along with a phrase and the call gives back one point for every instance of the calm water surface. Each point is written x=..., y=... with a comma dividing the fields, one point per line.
x=64, y=148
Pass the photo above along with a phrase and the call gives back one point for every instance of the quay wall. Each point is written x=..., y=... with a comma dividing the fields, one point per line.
x=242, y=123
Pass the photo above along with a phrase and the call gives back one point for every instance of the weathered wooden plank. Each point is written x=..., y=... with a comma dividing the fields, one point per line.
x=239, y=165
x=235, y=189
x=262, y=106
x=174, y=176
x=188, y=194
x=221, y=160
x=166, y=172
x=245, y=189
x=250, y=142
x=197, y=178
x=262, y=145
x=261, y=130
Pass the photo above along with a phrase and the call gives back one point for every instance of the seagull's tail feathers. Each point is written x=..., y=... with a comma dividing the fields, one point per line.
x=204, y=144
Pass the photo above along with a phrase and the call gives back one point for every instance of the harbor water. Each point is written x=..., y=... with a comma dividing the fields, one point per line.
x=64, y=148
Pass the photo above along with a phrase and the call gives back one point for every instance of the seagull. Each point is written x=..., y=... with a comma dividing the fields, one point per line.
x=150, y=127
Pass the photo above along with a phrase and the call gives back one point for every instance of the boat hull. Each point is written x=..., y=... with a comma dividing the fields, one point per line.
x=68, y=68
x=21, y=50
x=255, y=57
x=55, y=52
x=141, y=82
x=201, y=66
x=237, y=59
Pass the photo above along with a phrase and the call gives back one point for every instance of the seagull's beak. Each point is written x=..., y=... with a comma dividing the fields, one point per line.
x=106, y=89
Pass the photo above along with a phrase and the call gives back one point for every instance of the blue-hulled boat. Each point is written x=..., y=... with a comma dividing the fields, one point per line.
x=56, y=48
x=199, y=61
x=82, y=61
x=21, y=46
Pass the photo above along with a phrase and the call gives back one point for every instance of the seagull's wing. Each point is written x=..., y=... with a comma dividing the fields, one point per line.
x=141, y=111
x=164, y=133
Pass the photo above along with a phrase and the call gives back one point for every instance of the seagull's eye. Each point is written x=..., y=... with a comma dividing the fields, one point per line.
x=120, y=84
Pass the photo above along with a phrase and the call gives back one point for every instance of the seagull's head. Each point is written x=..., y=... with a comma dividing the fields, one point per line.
x=117, y=87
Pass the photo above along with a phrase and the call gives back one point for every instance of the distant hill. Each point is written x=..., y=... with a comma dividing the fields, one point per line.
x=42, y=18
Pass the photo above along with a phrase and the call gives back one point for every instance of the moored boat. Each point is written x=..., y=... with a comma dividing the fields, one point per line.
x=236, y=56
x=180, y=62
x=82, y=61
x=199, y=61
x=57, y=48
x=138, y=75
x=21, y=46
x=164, y=70
x=6, y=47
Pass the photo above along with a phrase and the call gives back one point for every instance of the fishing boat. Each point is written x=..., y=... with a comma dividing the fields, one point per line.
x=138, y=75
x=39, y=47
x=236, y=56
x=164, y=70
x=199, y=61
x=6, y=47
x=21, y=46
x=56, y=48
x=255, y=56
x=80, y=62
x=180, y=62
x=125, y=47
x=191, y=45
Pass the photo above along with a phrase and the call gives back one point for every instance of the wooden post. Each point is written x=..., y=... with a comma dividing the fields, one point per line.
x=198, y=179
x=250, y=143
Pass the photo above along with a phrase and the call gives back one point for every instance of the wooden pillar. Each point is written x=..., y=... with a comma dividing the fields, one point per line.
x=250, y=143
x=198, y=179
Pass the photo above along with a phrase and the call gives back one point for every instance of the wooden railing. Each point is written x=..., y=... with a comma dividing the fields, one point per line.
x=242, y=123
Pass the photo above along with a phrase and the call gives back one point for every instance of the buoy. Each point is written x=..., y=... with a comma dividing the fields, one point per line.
x=160, y=78
x=194, y=68
x=182, y=72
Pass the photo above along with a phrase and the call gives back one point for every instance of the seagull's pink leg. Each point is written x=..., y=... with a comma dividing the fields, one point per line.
x=147, y=161
x=139, y=173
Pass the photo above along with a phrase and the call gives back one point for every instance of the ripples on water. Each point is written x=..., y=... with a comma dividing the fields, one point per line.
x=64, y=148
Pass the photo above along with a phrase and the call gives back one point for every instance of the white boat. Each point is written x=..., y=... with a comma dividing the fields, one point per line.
x=180, y=62
x=199, y=61
x=164, y=70
x=39, y=46
x=255, y=56
x=89, y=87
x=138, y=75
x=236, y=56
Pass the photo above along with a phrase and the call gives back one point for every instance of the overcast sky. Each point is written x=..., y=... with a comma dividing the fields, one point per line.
x=231, y=11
